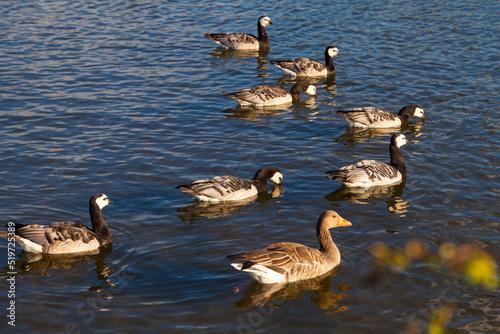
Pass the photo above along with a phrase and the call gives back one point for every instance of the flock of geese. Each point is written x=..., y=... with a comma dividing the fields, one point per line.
x=280, y=262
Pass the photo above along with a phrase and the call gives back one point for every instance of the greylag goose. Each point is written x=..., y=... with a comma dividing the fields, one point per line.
x=285, y=262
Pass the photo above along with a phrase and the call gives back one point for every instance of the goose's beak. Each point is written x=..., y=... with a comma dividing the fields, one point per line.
x=344, y=222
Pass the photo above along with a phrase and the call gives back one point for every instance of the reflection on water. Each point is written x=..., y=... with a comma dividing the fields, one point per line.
x=223, y=53
x=396, y=204
x=253, y=114
x=223, y=209
x=75, y=272
x=353, y=135
x=325, y=298
x=331, y=85
x=309, y=102
x=260, y=56
x=42, y=264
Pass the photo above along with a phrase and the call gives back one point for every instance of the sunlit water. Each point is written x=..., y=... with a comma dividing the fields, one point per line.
x=126, y=98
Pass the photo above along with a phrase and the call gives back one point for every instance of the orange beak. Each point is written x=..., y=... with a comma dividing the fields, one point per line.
x=344, y=222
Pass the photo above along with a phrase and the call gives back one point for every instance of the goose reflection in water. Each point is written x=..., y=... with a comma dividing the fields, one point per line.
x=224, y=209
x=223, y=53
x=243, y=56
x=30, y=263
x=256, y=114
x=272, y=295
x=395, y=202
x=353, y=135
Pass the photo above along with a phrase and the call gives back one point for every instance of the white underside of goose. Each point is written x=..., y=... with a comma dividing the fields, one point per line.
x=271, y=102
x=238, y=195
x=239, y=41
x=305, y=73
x=381, y=124
x=262, y=274
x=29, y=246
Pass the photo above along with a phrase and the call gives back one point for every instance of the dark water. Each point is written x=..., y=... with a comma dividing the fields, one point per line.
x=125, y=98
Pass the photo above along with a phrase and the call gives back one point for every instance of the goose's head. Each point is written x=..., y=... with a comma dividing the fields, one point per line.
x=419, y=112
x=332, y=51
x=412, y=110
x=399, y=140
x=101, y=200
x=264, y=21
x=333, y=219
x=271, y=173
x=277, y=178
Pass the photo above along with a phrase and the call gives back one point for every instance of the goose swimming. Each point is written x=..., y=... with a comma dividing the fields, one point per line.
x=266, y=96
x=285, y=262
x=370, y=117
x=368, y=173
x=243, y=41
x=66, y=237
x=232, y=188
x=305, y=67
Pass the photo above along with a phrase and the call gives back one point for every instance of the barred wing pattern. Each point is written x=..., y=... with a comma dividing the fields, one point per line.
x=238, y=41
x=302, y=67
x=262, y=96
x=370, y=117
x=58, y=238
x=366, y=173
x=220, y=188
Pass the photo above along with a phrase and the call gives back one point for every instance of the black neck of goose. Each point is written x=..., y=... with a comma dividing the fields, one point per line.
x=326, y=244
x=260, y=179
x=330, y=65
x=296, y=89
x=397, y=159
x=405, y=113
x=98, y=224
x=261, y=185
x=263, y=39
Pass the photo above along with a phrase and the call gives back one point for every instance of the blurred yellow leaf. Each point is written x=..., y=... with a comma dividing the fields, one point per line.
x=482, y=269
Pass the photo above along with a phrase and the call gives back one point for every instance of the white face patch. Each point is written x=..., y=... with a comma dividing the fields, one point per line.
x=102, y=201
x=419, y=112
x=333, y=52
x=401, y=140
x=311, y=90
x=264, y=21
x=277, y=178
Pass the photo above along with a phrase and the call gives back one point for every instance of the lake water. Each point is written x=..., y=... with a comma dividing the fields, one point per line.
x=125, y=98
